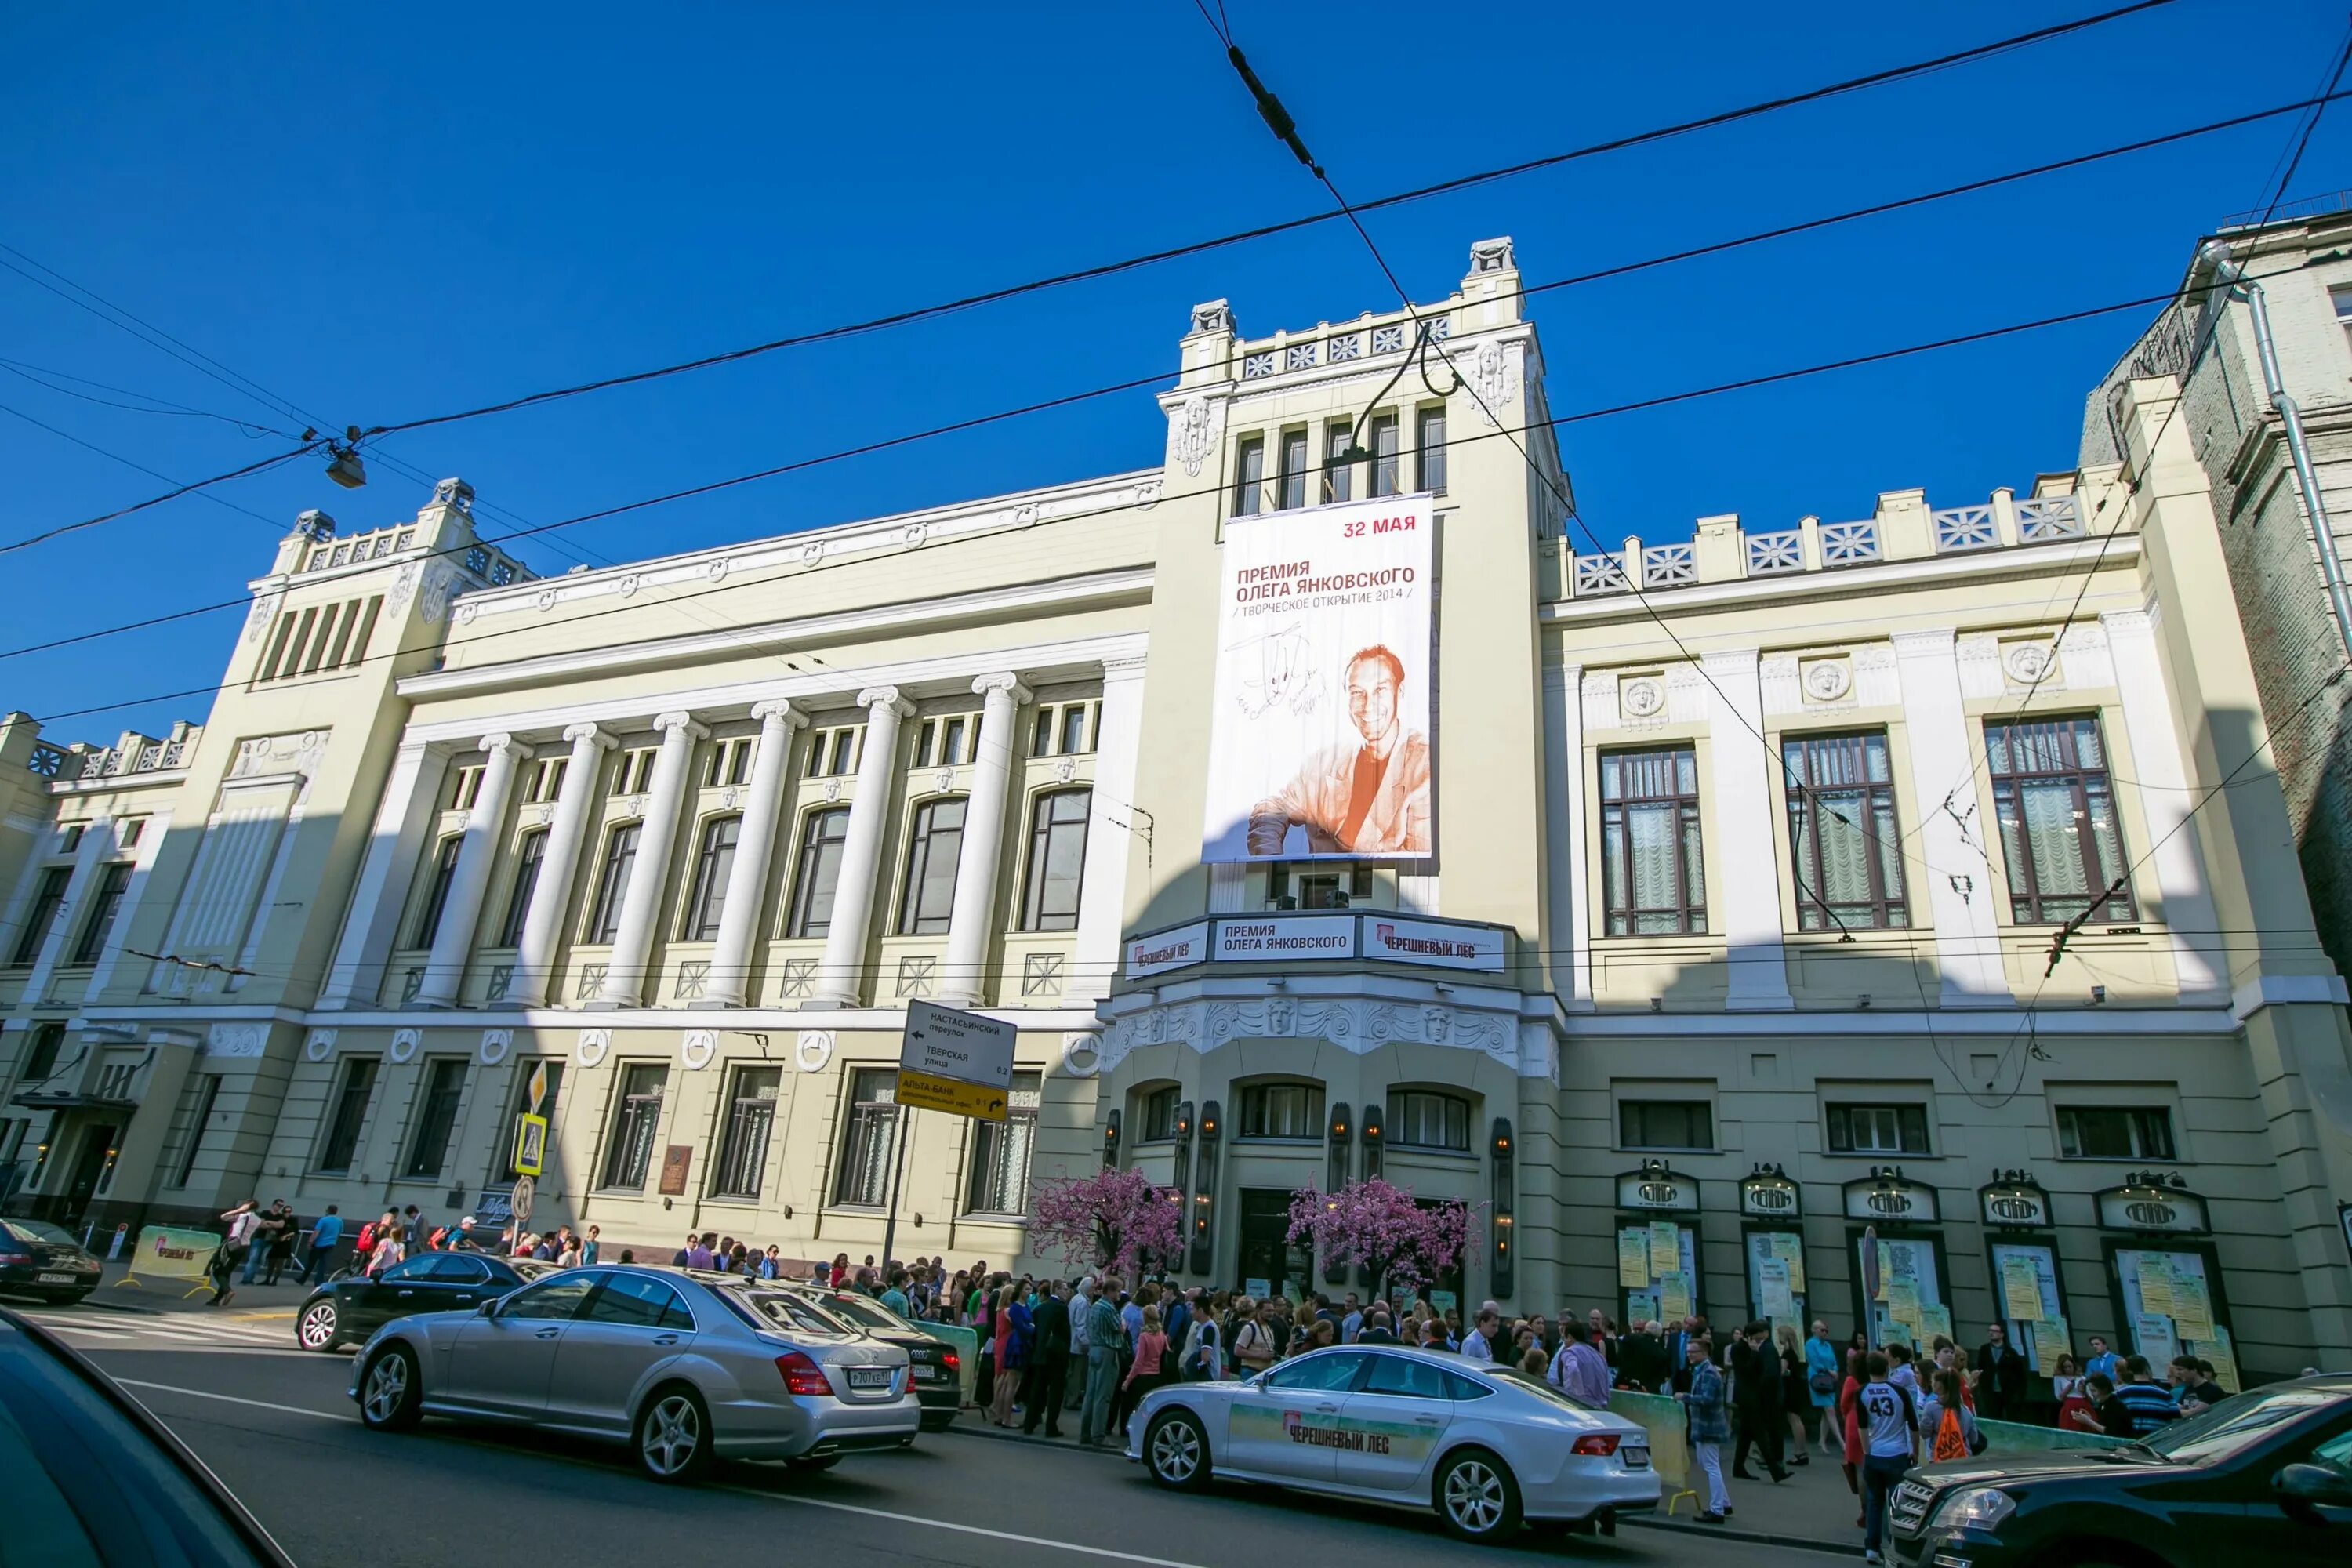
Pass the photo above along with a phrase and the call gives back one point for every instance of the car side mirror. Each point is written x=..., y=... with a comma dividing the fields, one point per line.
x=2314, y=1484
x=488, y=1309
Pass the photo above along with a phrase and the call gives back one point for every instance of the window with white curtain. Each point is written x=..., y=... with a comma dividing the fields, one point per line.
x=2058, y=821
x=1843, y=837
x=1653, y=874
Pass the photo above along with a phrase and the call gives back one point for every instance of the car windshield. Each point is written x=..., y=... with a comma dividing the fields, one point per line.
x=1511, y=1377
x=41, y=1230
x=774, y=1309
x=866, y=1314
x=2227, y=1429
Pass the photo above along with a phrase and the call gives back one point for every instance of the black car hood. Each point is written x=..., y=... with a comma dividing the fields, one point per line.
x=2011, y=1470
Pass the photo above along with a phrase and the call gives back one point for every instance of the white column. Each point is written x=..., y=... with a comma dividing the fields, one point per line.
x=625, y=982
x=1943, y=759
x=559, y=864
x=381, y=888
x=994, y=755
x=746, y=879
x=151, y=844
x=838, y=977
x=1113, y=827
x=1566, y=901
x=1743, y=872
x=469, y=878
x=2167, y=802
x=97, y=843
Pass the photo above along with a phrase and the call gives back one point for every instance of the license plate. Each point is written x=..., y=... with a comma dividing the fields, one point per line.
x=868, y=1379
x=61, y=1278
x=928, y=1373
x=1637, y=1458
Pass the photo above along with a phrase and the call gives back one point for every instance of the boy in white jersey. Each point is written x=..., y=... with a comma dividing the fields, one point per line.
x=1890, y=1424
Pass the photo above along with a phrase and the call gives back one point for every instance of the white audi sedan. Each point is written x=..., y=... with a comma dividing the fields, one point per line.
x=1485, y=1447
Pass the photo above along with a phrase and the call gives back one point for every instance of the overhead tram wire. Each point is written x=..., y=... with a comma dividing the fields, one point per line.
x=1619, y=270
x=39, y=375
x=1464, y=182
x=130, y=463
x=170, y=495
x=1661, y=400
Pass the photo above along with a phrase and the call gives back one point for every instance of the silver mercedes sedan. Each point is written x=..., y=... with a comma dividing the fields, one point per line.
x=1484, y=1447
x=684, y=1369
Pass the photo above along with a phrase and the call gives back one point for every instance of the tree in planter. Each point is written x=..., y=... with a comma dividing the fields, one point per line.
x=1111, y=1220
x=1380, y=1228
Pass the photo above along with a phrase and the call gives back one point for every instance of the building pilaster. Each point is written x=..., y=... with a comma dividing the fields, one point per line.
x=994, y=757
x=559, y=866
x=625, y=982
x=1112, y=828
x=1746, y=878
x=470, y=880
x=838, y=981
x=1968, y=938
x=746, y=878
x=381, y=888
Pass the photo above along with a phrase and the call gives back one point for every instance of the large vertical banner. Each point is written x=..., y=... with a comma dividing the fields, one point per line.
x=1320, y=745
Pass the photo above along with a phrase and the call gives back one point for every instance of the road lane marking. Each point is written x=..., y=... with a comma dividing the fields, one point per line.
x=1007, y=1535
x=235, y=1399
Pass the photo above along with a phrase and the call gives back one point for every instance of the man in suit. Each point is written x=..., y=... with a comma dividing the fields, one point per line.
x=2000, y=1373
x=1756, y=1393
x=1641, y=1362
x=1050, y=1322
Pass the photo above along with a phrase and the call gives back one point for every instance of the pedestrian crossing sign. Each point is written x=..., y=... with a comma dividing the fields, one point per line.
x=530, y=1145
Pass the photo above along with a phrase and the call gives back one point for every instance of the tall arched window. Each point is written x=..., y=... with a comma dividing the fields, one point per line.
x=714, y=863
x=612, y=883
x=928, y=896
x=528, y=853
x=1057, y=860
x=818, y=872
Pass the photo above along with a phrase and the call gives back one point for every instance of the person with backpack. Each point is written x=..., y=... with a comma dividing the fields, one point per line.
x=1946, y=1421
x=1891, y=1439
x=1255, y=1345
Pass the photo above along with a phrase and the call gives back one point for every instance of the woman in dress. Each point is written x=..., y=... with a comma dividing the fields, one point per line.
x=1007, y=1346
x=1849, y=1420
x=1822, y=1379
x=2066, y=1384
x=1143, y=1374
x=1796, y=1399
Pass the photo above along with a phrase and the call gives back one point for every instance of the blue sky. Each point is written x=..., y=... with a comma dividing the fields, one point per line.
x=382, y=217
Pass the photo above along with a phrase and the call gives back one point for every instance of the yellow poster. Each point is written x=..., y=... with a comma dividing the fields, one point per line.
x=1790, y=1248
x=2050, y=1341
x=1772, y=1291
x=1902, y=1298
x=1933, y=1320
x=2219, y=1351
x=1885, y=1269
x=2156, y=1284
x=1666, y=1248
x=1632, y=1260
x=2021, y=1287
x=1673, y=1298
x=2192, y=1309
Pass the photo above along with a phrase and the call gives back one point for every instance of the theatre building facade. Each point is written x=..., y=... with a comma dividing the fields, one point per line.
x=1320, y=802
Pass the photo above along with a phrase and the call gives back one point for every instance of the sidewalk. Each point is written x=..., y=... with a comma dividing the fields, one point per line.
x=168, y=1294
x=1812, y=1510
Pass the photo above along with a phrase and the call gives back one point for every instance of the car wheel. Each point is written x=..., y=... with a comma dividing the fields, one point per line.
x=1477, y=1496
x=672, y=1438
x=1176, y=1451
x=392, y=1395
x=816, y=1463
x=316, y=1332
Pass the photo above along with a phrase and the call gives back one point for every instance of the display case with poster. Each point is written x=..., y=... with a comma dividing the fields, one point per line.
x=2165, y=1277
x=1772, y=1237
x=1657, y=1246
x=2021, y=1262
x=1896, y=1228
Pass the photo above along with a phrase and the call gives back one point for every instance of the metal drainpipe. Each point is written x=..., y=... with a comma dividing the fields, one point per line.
x=2227, y=271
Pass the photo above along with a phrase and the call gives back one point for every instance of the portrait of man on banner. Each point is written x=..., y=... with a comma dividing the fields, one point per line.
x=1321, y=747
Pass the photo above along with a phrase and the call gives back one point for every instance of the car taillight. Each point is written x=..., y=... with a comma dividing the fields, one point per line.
x=1600, y=1445
x=802, y=1375
x=950, y=1360
x=16, y=1258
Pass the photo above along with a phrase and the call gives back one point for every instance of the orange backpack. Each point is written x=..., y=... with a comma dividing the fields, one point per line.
x=1950, y=1442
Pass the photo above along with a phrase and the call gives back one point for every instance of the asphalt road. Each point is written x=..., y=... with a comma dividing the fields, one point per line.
x=277, y=1427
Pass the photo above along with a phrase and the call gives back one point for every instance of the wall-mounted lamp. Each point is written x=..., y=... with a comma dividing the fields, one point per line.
x=1110, y=1140
x=1504, y=1186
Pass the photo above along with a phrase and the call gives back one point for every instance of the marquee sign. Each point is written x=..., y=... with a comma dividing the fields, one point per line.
x=1770, y=1194
x=1889, y=1197
x=2013, y=1201
x=1656, y=1188
x=2147, y=1204
x=1288, y=937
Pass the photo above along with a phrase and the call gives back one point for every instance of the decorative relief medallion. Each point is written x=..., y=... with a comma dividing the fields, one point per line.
x=404, y=583
x=1082, y=1054
x=628, y=585
x=813, y=1052
x=1828, y=680
x=591, y=1048
x=545, y=599
x=404, y=1045
x=1195, y=433
x=946, y=780
x=811, y=552
x=319, y=1045
x=1490, y=377
x=832, y=789
x=496, y=1043
x=697, y=1048
x=256, y=620
x=717, y=570
x=1642, y=697
x=1147, y=495
x=914, y=535
x=1065, y=770
x=2026, y=663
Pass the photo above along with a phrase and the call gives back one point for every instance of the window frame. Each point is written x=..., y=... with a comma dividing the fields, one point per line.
x=440, y=1094
x=1395, y=1132
x=359, y=1074
x=2138, y=1120
x=1296, y=461
x=714, y=865
x=530, y=859
x=105, y=901
x=634, y=1112
x=612, y=887
x=798, y=925
x=1886, y=908
x=1388, y=462
x=1429, y=459
x=1249, y=475
x=1844, y=1111
x=442, y=872
x=1629, y=1109
x=41, y=915
x=924, y=841
x=2029, y=905
x=1690, y=873
x=869, y=1127
x=46, y=1041
x=1252, y=1101
x=1043, y=837
x=747, y=1132
x=1339, y=478
x=1155, y=1114
x=992, y=1151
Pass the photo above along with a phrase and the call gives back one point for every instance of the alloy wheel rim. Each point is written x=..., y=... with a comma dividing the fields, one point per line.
x=1474, y=1496
x=318, y=1325
x=387, y=1385
x=672, y=1435
x=1175, y=1452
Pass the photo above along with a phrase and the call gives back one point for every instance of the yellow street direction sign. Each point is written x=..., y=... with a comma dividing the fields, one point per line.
x=926, y=1091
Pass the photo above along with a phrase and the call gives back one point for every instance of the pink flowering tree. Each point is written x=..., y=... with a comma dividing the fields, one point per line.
x=1401, y=1243
x=1111, y=1220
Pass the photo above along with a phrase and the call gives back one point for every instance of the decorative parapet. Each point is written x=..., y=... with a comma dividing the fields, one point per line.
x=1902, y=529
x=132, y=754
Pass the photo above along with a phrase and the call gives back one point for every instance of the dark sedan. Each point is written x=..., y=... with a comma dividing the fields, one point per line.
x=938, y=1369
x=346, y=1311
x=40, y=1260
x=2264, y=1477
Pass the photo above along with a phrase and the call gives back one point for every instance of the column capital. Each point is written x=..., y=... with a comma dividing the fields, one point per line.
x=781, y=710
x=590, y=732
x=1731, y=658
x=667, y=722
x=1005, y=681
x=502, y=741
x=1937, y=643
x=1125, y=667
x=885, y=697
x=2128, y=623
